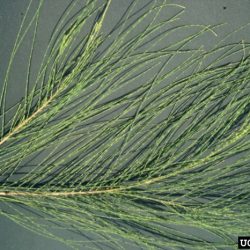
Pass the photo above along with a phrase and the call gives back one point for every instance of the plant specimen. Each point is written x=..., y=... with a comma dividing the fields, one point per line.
x=136, y=136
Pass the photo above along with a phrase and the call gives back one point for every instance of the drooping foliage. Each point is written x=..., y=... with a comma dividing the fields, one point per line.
x=134, y=136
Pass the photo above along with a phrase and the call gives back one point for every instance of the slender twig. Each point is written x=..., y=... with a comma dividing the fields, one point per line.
x=28, y=120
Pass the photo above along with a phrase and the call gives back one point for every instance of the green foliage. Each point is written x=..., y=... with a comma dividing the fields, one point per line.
x=141, y=133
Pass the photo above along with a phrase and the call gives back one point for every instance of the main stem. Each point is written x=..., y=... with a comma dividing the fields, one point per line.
x=53, y=194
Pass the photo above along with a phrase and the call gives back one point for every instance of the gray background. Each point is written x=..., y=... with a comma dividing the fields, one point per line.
x=234, y=13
